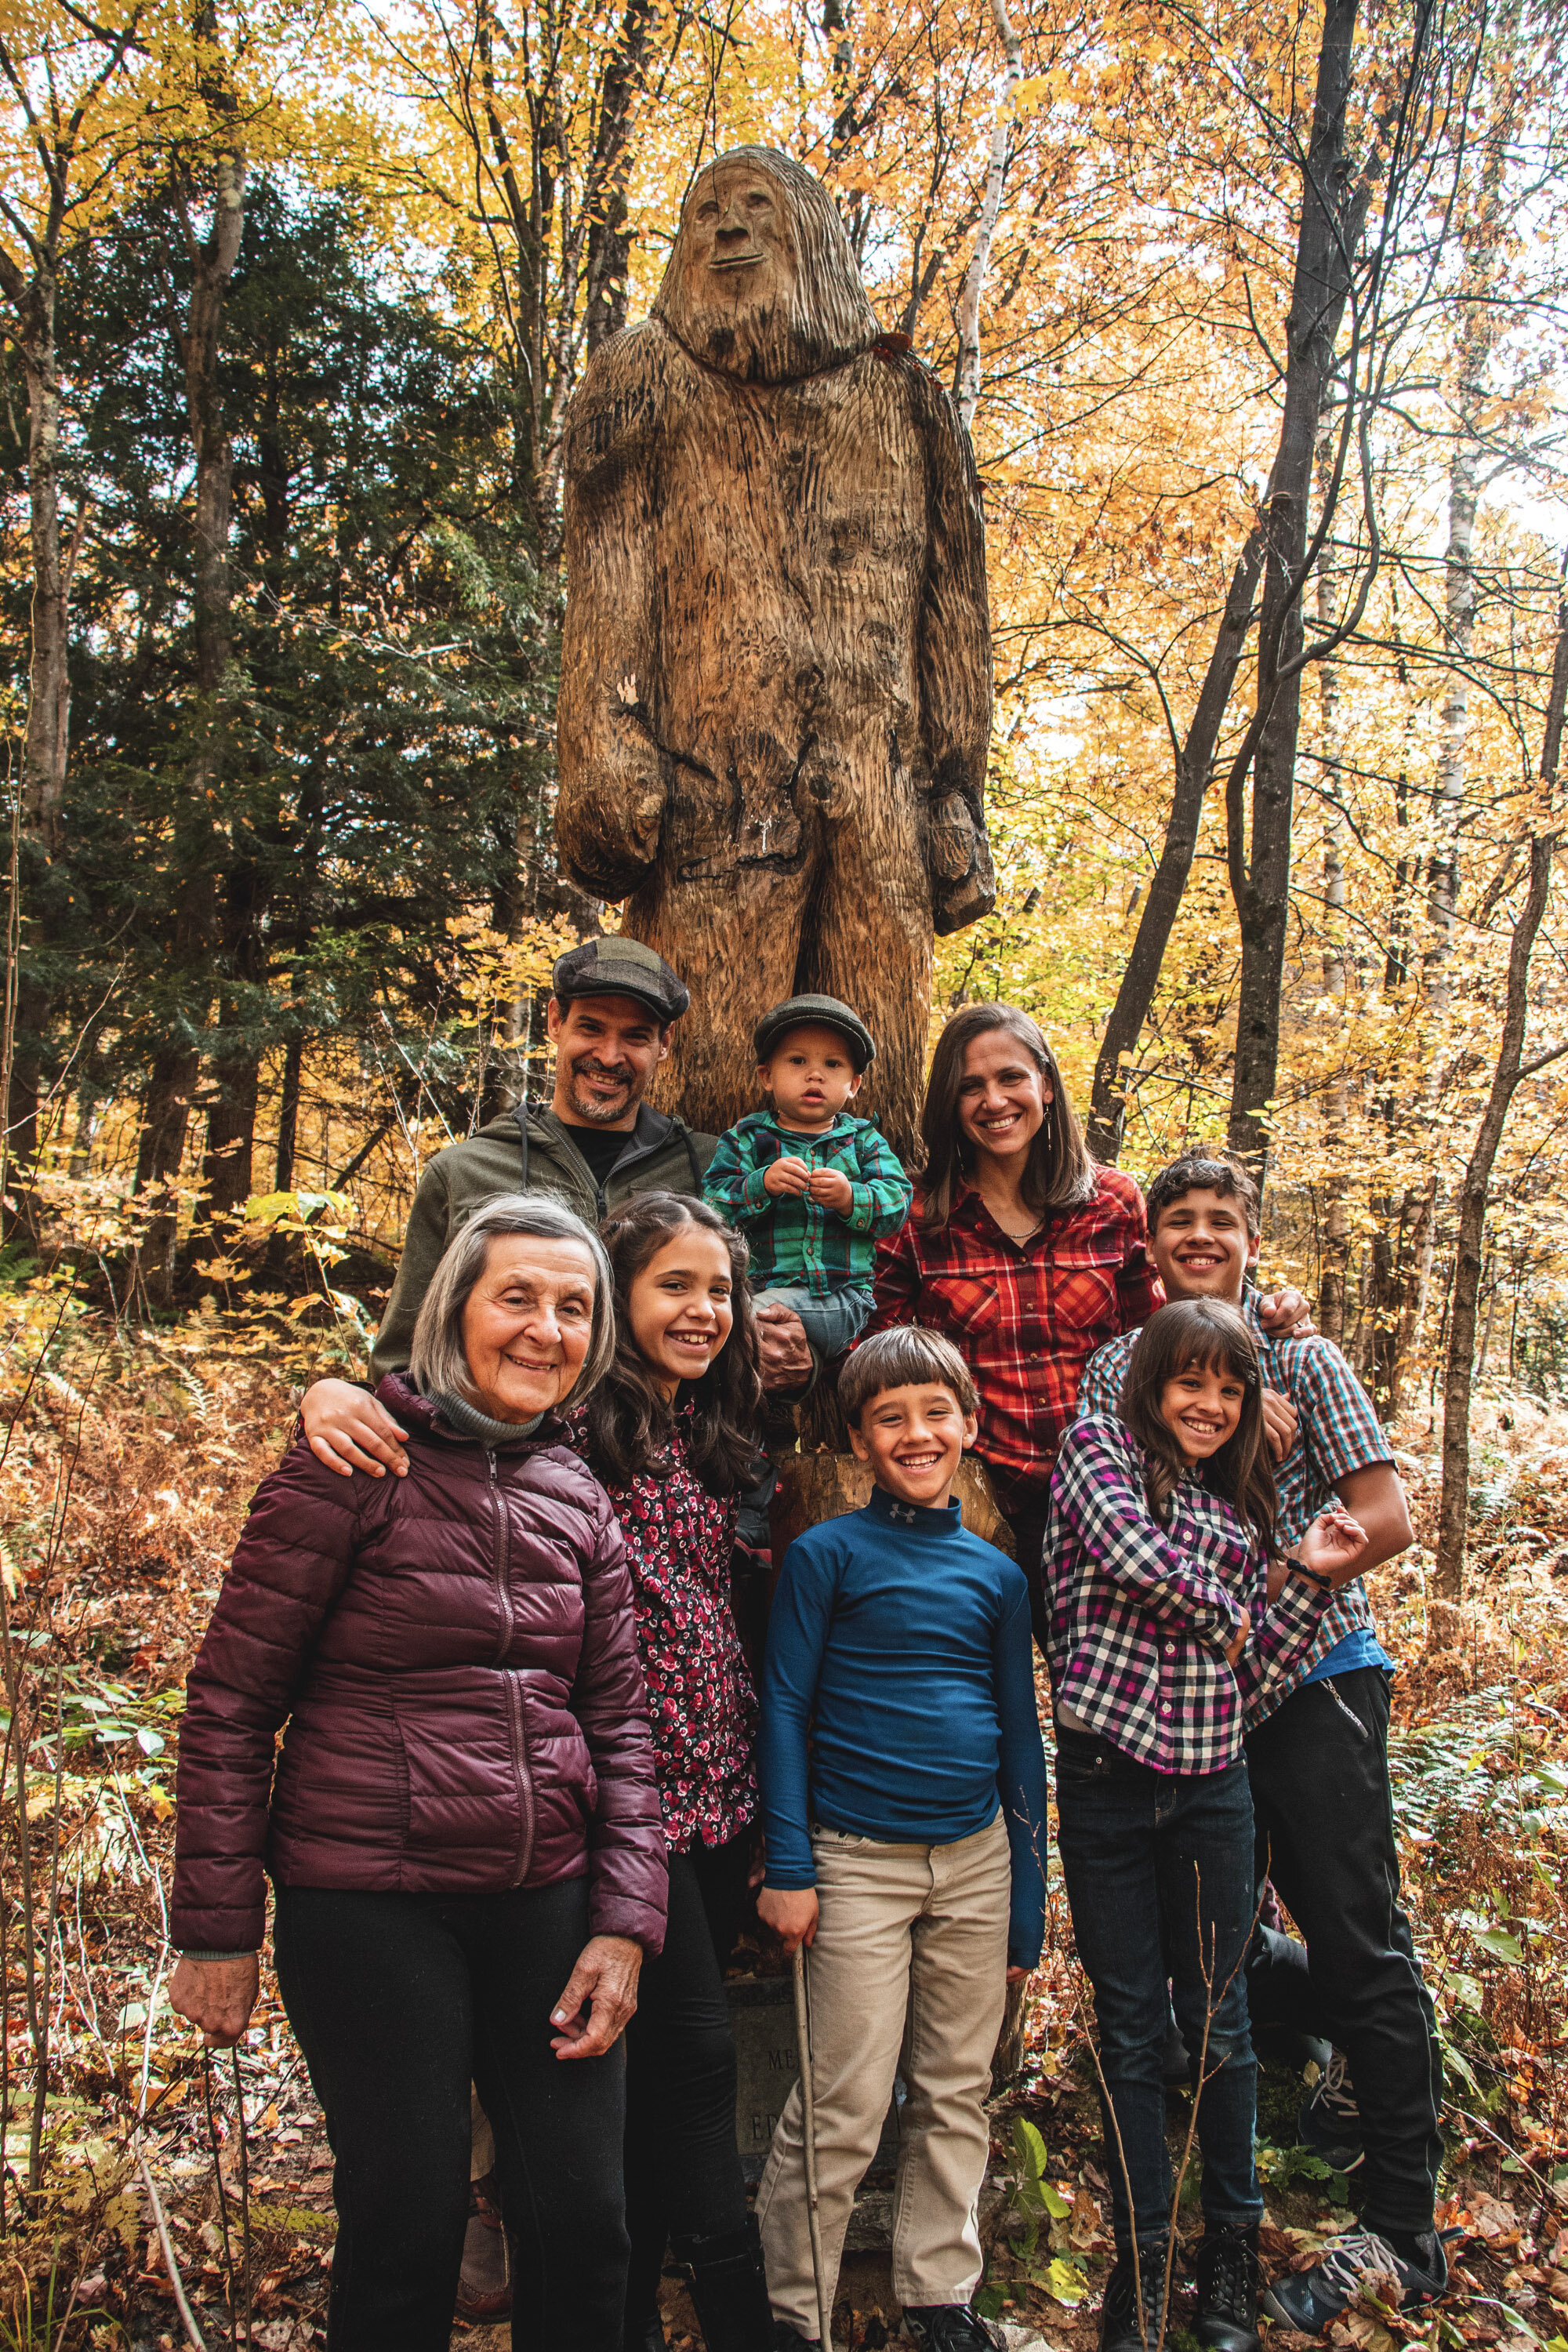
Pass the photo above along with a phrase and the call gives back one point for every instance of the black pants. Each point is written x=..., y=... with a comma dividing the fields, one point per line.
x=682, y=2166
x=397, y=2002
x=1029, y=1526
x=1318, y=1768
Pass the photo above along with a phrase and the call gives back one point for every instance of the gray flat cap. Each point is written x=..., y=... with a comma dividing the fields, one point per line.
x=826, y=1013
x=621, y=967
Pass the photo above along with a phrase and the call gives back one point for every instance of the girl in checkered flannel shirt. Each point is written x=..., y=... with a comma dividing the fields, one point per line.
x=1170, y=1616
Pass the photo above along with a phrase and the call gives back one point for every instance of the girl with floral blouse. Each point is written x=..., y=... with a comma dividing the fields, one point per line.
x=673, y=1433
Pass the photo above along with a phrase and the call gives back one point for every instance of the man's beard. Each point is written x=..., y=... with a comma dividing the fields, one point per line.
x=589, y=1107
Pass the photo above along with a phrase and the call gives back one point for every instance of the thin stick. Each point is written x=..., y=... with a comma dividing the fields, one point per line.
x=244, y=2197
x=808, y=2107
x=222, y=2192
x=175, y=2281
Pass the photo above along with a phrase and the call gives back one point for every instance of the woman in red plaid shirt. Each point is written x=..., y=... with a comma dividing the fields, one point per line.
x=1019, y=1247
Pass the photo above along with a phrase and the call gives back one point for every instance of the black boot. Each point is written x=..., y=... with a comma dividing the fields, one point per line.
x=644, y=2332
x=1123, y=2327
x=730, y=2288
x=1228, y=2283
x=642, y=2324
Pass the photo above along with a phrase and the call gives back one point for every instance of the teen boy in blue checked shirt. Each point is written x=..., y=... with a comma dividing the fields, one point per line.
x=1317, y=1756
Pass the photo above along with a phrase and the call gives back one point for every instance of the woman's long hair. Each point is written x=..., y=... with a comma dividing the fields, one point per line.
x=1058, y=1173
x=1207, y=1335
x=629, y=1421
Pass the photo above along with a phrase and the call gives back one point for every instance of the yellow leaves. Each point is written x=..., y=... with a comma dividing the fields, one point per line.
x=496, y=974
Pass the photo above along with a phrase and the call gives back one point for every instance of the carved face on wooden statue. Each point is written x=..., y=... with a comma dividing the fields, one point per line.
x=761, y=281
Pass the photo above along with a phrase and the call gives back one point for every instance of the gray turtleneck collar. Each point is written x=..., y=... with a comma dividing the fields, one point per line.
x=469, y=1421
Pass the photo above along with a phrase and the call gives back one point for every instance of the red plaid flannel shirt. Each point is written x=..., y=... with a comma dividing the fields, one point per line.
x=1026, y=1320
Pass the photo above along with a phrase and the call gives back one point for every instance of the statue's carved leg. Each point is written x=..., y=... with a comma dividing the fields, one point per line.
x=870, y=944
x=734, y=940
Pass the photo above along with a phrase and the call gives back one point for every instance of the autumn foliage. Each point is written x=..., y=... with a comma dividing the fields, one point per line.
x=293, y=302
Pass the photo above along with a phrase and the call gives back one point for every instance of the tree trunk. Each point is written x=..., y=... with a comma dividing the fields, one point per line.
x=609, y=256
x=1261, y=880
x=202, y=851
x=236, y=1065
x=1448, y=1579
x=44, y=743
x=226, y=1177
x=991, y=206
x=1334, y=1265
x=1194, y=766
x=288, y=1114
x=161, y=1148
x=1482, y=322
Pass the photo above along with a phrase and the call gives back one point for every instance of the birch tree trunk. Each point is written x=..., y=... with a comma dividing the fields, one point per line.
x=1512, y=1068
x=980, y=258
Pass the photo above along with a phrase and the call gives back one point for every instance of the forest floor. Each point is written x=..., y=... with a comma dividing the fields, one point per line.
x=130, y=1457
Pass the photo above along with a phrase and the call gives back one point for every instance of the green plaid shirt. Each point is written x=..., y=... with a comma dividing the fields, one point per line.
x=795, y=1242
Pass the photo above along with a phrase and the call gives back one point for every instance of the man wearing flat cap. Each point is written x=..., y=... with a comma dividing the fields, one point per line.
x=613, y=1007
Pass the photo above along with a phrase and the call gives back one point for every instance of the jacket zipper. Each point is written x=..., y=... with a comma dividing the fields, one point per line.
x=516, y=1724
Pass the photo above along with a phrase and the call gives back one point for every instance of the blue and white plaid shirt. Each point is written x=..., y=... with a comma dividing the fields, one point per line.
x=1336, y=1432
x=1141, y=1612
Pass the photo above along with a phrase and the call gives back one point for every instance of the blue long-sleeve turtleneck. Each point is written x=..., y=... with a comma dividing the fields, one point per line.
x=899, y=1698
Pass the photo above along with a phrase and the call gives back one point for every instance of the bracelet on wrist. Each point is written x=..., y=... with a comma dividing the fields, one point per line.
x=1314, y=1576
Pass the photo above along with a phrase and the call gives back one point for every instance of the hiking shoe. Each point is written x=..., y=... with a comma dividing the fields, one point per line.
x=789, y=2340
x=1228, y=2280
x=484, y=2287
x=1309, y=2300
x=947, y=2327
x=1122, y=2328
x=1329, y=2121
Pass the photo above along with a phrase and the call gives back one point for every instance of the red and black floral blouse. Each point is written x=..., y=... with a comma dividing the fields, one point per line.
x=702, y=1708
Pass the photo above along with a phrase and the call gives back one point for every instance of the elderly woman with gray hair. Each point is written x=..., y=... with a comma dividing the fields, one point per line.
x=463, y=1829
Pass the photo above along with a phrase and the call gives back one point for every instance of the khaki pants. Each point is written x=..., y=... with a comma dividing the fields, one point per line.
x=910, y=1937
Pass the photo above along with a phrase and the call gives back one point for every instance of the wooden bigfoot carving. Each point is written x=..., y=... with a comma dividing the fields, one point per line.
x=775, y=693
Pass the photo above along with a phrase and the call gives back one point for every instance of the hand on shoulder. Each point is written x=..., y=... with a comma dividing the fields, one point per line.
x=347, y=1429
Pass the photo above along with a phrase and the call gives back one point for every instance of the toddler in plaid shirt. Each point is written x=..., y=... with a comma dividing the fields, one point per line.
x=813, y=1189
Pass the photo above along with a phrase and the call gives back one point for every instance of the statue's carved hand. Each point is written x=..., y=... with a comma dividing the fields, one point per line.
x=610, y=817
x=950, y=851
x=958, y=858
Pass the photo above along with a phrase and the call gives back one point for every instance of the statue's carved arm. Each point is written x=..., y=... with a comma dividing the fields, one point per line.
x=954, y=664
x=611, y=802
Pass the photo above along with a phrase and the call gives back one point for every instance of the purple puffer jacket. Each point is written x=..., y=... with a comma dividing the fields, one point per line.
x=454, y=1656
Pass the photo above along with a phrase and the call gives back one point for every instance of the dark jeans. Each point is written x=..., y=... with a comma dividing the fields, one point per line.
x=1159, y=1875
x=1319, y=1767
x=397, y=2002
x=682, y=2166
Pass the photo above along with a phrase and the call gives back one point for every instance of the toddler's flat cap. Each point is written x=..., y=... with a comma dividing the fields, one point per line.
x=796, y=1011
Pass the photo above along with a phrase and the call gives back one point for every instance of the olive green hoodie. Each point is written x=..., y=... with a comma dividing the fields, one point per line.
x=525, y=1154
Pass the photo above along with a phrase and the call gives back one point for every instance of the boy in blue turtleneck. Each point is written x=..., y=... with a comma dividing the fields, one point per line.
x=904, y=1802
